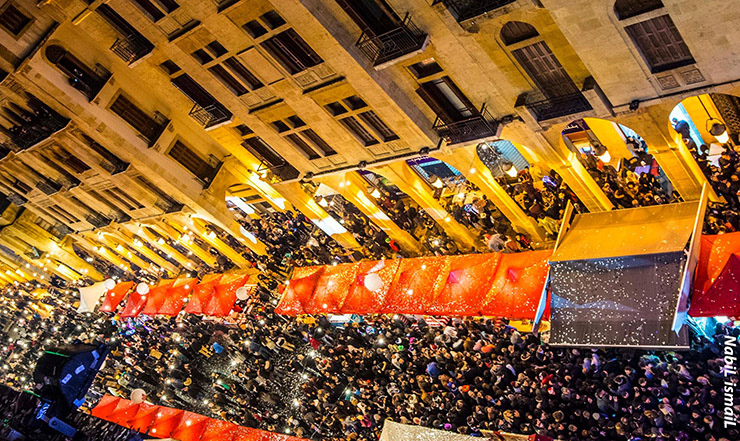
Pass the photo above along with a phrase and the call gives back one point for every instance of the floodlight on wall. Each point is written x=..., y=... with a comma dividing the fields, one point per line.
x=438, y=183
x=323, y=202
x=375, y=193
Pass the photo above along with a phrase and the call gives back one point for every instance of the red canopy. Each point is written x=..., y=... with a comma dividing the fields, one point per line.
x=217, y=430
x=224, y=297
x=415, y=286
x=144, y=418
x=717, y=278
x=166, y=422
x=300, y=290
x=518, y=285
x=191, y=428
x=176, y=296
x=105, y=407
x=467, y=281
x=115, y=296
x=360, y=298
x=124, y=411
x=202, y=294
x=332, y=288
x=157, y=296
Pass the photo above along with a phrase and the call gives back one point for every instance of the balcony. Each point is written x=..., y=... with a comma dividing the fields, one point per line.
x=479, y=126
x=405, y=40
x=98, y=221
x=36, y=126
x=467, y=9
x=544, y=109
x=131, y=48
x=49, y=187
x=210, y=116
x=90, y=85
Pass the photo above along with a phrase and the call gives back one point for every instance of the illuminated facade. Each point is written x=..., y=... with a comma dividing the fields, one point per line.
x=127, y=125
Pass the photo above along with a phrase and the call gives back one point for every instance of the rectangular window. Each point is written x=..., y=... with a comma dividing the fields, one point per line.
x=295, y=122
x=374, y=121
x=660, y=44
x=273, y=19
x=170, y=67
x=291, y=51
x=425, y=68
x=262, y=151
x=202, y=56
x=360, y=132
x=216, y=48
x=254, y=28
x=13, y=20
x=446, y=100
x=194, y=91
x=156, y=9
x=336, y=108
x=243, y=130
x=243, y=73
x=319, y=142
x=355, y=102
x=301, y=145
x=280, y=126
x=149, y=128
x=196, y=165
x=228, y=80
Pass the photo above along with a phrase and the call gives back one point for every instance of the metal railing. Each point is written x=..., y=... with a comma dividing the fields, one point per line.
x=97, y=220
x=481, y=125
x=130, y=48
x=467, y=9
x=210, y=115
x=37, y=130
x=406, y=38
x=555, y=107
x=48, y=187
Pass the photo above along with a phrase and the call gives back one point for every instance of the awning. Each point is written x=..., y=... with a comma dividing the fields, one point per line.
x=517, y=287
x=300, y=290
x=115, y=296
x=717, y=279
x=467, y=282
x=368, y=290
x=224, y=297
x=157, y=296
x=176, y=296
x=202, y=293
x=416, y=285
x=90, y=296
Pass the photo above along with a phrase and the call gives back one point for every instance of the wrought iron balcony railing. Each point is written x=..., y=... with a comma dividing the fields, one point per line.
x=37, y=129
x=211, y=115
x=131, y=47
x=49, y=187
x=479, y=126
x=405, y=39
x=97, y=220
x=467, y=9
x=555, y=107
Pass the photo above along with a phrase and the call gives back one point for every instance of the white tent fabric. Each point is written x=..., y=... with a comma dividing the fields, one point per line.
x=404, y=432
x=90, y=295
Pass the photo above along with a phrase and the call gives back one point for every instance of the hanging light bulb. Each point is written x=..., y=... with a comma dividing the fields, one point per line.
x=603, y=154
x=510, y=170
x=375, y=193
x=719, y=131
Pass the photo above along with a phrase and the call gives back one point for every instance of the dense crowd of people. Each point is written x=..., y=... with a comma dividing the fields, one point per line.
x=316, y=379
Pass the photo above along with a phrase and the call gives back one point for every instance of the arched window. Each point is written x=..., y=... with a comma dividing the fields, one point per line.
x=630, y=8
x=516, y=31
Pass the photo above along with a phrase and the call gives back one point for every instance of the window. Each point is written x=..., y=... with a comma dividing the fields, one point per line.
x=295, y=122
x=372, y=120
x=13, y=20
x=357, y=129
x=216, y=49
x=631, y=8
x=202, y=169
x=156, y=9
x=355, y=102
x=280, y=126
x=169, y=67
x=243, y=130
x=516, y=31
x=228, y=80
x=319, y=142
x=660, y=44
x=446, y=100
x=147, y=126
x=243, y=73
x=273, y=19
x=211, y=111
x=262, y=151
x=202, y=56
x=373, y=127
x=301, y=145
x=254, y=28
x=425, y=68
x=291, y=51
